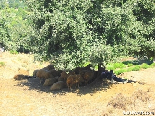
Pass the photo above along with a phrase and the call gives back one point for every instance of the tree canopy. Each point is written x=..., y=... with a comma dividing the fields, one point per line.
x=73, y=32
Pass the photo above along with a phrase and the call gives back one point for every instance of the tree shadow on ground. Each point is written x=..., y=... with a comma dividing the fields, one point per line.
x=91, y=88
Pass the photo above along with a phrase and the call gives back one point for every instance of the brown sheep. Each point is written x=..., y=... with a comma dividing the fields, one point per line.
x=21, y=77
x=88, y=76
x=58, y=85
x=75, y=79
x=71, y=73
x=78, y=69
x=61, y=79
x=59, y=73
x=35, y=72
x=55, y=73
x=50, y=81
x=64, y=76
x=49, y=67
x=43, y=74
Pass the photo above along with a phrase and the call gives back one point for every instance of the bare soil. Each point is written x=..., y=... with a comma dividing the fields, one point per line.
x=30, y=98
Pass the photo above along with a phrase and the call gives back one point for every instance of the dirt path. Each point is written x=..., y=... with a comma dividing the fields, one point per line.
x=29, y=98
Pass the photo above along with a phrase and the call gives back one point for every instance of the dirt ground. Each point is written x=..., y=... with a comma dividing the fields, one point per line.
x=30, y=98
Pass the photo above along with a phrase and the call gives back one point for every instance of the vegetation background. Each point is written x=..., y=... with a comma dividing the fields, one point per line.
x=72, y=33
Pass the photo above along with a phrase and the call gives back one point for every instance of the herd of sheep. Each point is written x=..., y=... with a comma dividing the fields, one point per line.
x=59, y=79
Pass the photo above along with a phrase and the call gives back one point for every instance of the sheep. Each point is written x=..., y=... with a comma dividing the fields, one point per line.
x=78, y=69
x=55, y=73
x=74, y=79
x=43, y=74
x=88, y=76
x=21, y=77
x=35, y=72
x=49, y=67
x=58, y=85
x=63, y=76
x=71, y=73
x=50, y=81
x=61, y=79
x=59, y=73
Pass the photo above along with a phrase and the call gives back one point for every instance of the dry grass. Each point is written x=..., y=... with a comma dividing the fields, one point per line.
x=27, y=97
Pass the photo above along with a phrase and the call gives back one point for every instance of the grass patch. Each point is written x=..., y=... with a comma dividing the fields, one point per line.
x=118, y=72
x=127, y=66
x=136, y=68
x=145, y=66
x=119, y=65
x=110, y=67
x=2, y=64
x=152, y=65
x=130, y=64
x=13, y=52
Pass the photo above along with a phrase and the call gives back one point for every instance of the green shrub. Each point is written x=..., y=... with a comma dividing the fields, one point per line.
x=2, y=64
x=145, y=66
x=152, y=65
x=130, y=64
x=118, y=65
x=117, y=72
x=129, y=69
x=110, y=67
x=13, y=52
x=136, y=68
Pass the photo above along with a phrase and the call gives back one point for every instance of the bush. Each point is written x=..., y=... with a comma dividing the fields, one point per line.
x=130, y=64
x=13, y=52
x=136, y=68
x=118, y=65
x=153, y=65
x=118, y=72
x=2, y=64
x=110, y=67
x=145, y=66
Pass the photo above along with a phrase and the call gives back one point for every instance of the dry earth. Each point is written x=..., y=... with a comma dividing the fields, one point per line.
x=30, y=98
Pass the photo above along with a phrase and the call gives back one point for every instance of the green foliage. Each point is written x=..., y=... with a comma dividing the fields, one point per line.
x=110, y=67
x=132, y=65
x=13, y=52
x=71, y=33
x=152, y=65
x=14, y=27
x=119, y=65
x=136, y=68
x=2, y=64
x=145, y=66
x=117, y=72
x=113, y=66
